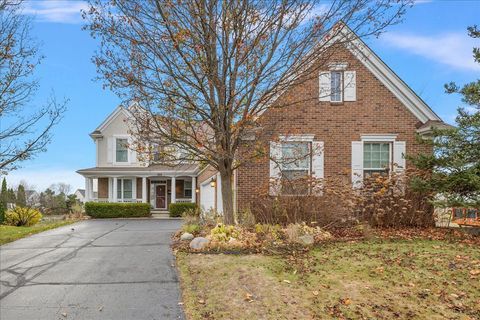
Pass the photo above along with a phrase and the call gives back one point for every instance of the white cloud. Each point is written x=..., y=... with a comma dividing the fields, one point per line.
x=59, y=11
x=43, y=178
x=451, y=49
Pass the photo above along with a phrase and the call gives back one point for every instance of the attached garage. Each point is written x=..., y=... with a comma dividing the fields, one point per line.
x=211, y=196
x=207, y=196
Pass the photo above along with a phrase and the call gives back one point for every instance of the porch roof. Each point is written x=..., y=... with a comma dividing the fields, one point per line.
x=183, y=169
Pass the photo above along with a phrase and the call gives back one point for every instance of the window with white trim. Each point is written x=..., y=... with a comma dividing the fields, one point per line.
x=187, y=189
x=336, y=86
x=124, y=189
x=376, y=158
x=296, y=164
x=121, y=150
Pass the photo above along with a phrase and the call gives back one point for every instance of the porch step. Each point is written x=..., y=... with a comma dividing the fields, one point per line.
x=160, y=215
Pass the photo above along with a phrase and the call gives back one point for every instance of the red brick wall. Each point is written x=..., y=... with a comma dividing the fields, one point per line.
x=376, y=111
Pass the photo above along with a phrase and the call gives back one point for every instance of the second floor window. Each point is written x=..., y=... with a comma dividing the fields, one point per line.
x=336, y=94
x=121, y=154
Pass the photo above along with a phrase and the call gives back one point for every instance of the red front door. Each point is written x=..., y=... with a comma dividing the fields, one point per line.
x=161, y=196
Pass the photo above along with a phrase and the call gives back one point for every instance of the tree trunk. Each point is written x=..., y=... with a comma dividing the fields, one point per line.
x=227, y=195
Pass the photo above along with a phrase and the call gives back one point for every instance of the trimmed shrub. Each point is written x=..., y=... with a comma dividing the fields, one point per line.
x=117, y=210
x=177, y=209
x=22, y=216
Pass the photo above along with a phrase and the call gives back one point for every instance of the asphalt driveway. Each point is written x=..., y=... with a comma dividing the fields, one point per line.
x=102, y=269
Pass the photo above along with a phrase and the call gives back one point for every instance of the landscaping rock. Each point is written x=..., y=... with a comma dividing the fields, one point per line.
x=306, y=239
x=186, y=236
x=199, y=243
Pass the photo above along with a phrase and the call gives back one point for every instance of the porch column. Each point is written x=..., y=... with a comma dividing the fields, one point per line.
x=114, y=195
x=173, y=190
x=87, y=189
x=144, y=190
x=194, y=188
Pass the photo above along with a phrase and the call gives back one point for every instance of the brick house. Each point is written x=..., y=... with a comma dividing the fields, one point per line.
x=356, y=117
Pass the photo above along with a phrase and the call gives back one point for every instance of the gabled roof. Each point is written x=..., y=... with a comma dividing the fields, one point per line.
x=388, y=77
x=99, y=130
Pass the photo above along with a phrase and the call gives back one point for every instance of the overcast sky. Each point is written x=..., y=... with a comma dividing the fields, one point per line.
x=429, y=49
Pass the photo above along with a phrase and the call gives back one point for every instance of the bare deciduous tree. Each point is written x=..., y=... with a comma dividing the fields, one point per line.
x=24, y=130
x=204, y=71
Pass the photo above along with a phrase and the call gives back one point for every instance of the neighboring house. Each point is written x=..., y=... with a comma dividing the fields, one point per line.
x=33, y=198
x=359, y=118
x=80, y=194
x=122, y=177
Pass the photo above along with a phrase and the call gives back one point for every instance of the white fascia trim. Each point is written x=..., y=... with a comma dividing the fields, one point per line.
x=297, y=137
x=378, y=137
x=386, y=75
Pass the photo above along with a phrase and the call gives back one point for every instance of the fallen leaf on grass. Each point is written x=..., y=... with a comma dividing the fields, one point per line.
x=315, y=293
x=475, y=272
x=287, y=281
x=201, y=301
x=346, y=301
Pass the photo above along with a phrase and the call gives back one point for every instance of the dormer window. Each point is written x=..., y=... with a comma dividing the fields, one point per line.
x=121, y=150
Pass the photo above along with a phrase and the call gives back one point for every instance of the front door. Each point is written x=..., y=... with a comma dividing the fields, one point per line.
x=161, y=196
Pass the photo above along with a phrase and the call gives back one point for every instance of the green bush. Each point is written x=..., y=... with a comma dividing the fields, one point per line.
x=117, y=210
x=22, y=216
x=192, y=228
x=177, y=209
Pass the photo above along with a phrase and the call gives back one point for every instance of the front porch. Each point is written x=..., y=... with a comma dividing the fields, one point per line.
x=159, y=191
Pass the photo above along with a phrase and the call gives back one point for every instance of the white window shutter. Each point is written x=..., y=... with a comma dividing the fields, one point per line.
x=357, y=163
x=324, y=85
x=318, y=159
x=399, y=152
x=110, y=149
x=275, y=174
x=350, y=86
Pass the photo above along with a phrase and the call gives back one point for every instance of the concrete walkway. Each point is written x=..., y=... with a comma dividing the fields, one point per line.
x=95, y=269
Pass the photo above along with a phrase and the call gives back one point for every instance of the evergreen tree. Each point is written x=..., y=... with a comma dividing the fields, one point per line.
x=11, y=197
x=3, y=200
x=21, y=196
x=455, y=163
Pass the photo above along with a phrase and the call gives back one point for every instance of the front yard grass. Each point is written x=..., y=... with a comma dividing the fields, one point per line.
x=407, y=279
x=11, y=233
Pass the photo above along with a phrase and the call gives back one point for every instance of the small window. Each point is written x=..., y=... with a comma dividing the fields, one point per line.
x=336, y=87
x=121, y=150
x=295, y=166
x=187, y=189
x=376, y=158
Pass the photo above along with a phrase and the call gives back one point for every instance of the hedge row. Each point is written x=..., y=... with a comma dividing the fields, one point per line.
x=117, y=210
x=177, y=209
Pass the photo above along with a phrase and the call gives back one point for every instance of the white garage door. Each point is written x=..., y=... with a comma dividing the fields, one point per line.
x=207, y=196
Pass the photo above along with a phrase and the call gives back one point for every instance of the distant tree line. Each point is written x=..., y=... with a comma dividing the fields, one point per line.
x=56, y=199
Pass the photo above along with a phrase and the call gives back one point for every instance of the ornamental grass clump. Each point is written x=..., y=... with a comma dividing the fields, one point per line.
x=22, y=216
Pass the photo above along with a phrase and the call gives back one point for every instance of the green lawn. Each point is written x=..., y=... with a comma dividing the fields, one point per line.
x=418, y=279
x=10, y=233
